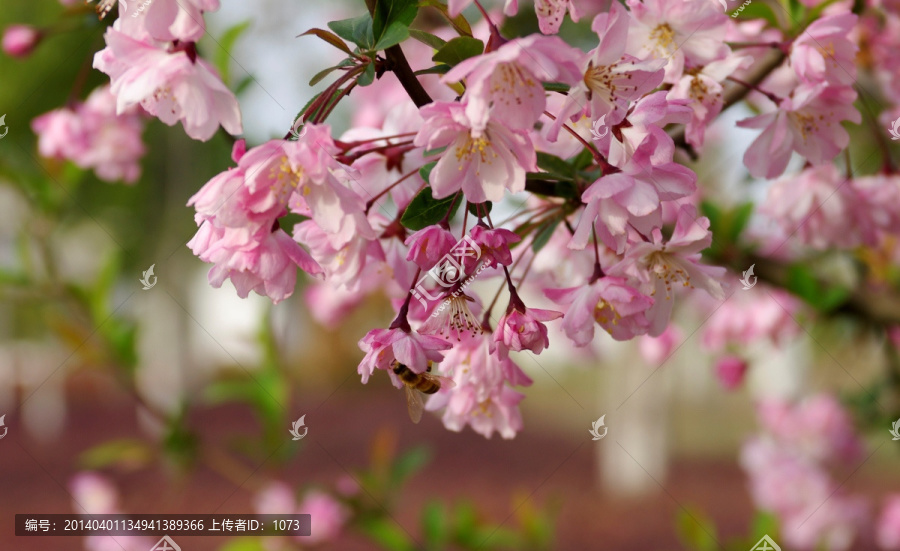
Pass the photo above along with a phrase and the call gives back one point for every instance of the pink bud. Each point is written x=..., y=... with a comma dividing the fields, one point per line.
x=20, y=40
x=730, y=371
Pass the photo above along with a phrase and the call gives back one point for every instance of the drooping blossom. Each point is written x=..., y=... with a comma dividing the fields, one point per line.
x=809, y=123
x=93, y=136
x=483, y=397
x=518, y=331
x=824, y=51
x=483, y=157
x=170, y=83
x=611, y=78
x=412, y=349
x=659, y=264
x=20, y=40
x=508, y=81
x=493, y=244
x=429, y=245
x=610, y=302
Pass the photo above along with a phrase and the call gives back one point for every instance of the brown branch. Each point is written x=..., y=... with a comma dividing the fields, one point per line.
x=397, y=63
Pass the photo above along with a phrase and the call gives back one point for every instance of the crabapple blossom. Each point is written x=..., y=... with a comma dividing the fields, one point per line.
x=494, y=244
x=610, y=302
x=888, y=533
x=730, y=371
x=483, y=156
x=508, y=81
x=550, y=13
x=429, y=245
x=824, y=52
x=809, y=123
x=329, y=516
x=93, y=136
x=20, y=40
x=518, y=331
x=412, y=349
x=170, y=83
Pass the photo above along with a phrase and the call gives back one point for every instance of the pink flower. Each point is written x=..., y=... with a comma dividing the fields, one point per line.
x=168, y=20
x=94, y=493
x=328, y=516
x=888, y=531
x=483, y=157
x=414, y=350
x=656, y=350
x=822, y=208
x=276, y=498
x=93, y=136
x=173, y=85
x=658, y=265
x=494, y=244
x=808, y=123
x=818, y=427
x=508, y=81
x=610, y=302
x=692, y=31
x=523, y=331
x=20, y=40
x=343, y=264
x=702, y=86
x=612, y=79
x=747, y=318
x=429, y=245
x=551, y=13
x=730, y=371
x=824, y=53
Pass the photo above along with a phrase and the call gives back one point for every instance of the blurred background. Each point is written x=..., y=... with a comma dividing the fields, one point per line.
x=179, y=398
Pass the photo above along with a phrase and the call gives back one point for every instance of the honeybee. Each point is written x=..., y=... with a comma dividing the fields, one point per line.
x=103, y=7
x=417, y=384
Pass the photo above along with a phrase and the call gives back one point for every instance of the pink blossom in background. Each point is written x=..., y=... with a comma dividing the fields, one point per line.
x=808, y=123
x=20, y=40
x=730, y=371
x=275, y=498
x=888, y=528
x=328, y=516
x=656, y=350
x=483, y=157
x=94, y=137
x=745, y=319
x=173, y=85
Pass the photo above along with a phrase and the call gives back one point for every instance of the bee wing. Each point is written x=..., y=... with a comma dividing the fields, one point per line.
x=414, y=404
x=446, y=382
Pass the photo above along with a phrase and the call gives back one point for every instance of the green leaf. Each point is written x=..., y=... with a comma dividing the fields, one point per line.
x=357, y=30
x=222, y=56
x=434, y=525
x=428, y=39
x=322, y=74
x=392, y=20
x=127, y=453
x=425, y=171
x=386, y=533
x=554, y=165
x=368, y=76
x=424, y=210
x=408, y=464
x=544, y=233
x=696, y=532
x=244, y=544
x=328, y=37
x=475, y=207
x=459, y=23
x=436, y=70
x=739, y=218
x=459, y=49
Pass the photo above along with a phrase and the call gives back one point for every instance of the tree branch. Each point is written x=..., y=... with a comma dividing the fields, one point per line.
x=397, y=63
